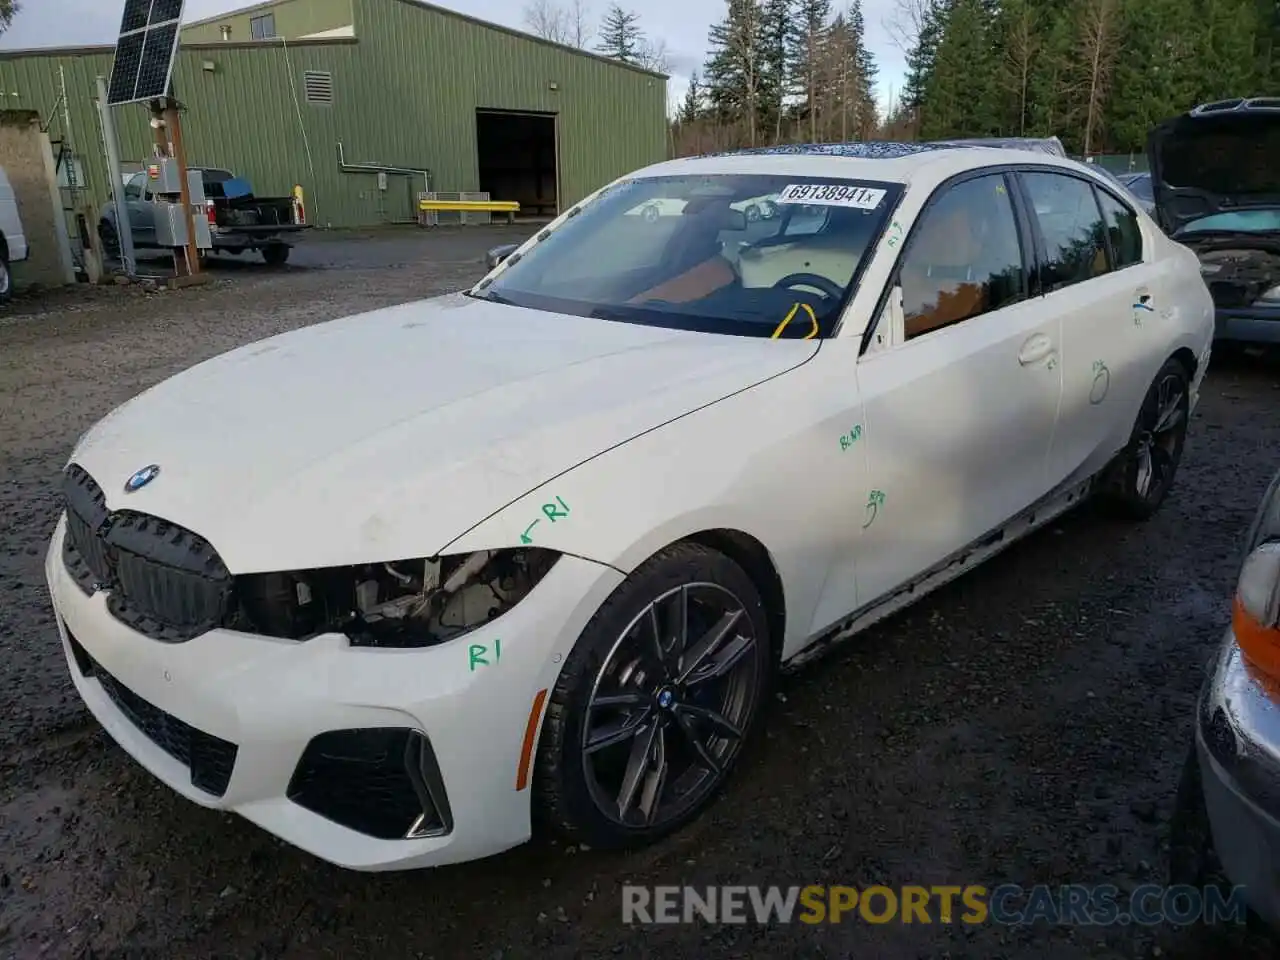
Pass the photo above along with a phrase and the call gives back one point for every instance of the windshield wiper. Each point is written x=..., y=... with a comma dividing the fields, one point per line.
x=493, y=298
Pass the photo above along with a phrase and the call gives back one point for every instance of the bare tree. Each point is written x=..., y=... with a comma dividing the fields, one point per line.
x=548, y=20
x=653, y=55
x=1099, y=26
x=578, y=23
x=903, y=25
x=1022, y=45
x=569, y=24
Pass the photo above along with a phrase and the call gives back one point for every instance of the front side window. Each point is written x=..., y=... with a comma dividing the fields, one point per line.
x=133, y=189
x=1122, y=225
x=964, y=258
x=742, y=254
x=1074, y=234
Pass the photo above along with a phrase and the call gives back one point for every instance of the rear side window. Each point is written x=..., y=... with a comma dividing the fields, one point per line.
x=1074, y=233
x=964, y=258
x=1122, y=227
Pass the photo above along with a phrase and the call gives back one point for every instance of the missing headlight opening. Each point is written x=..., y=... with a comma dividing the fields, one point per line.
x=405, y=603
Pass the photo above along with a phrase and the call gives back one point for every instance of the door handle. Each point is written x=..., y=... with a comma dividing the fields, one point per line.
x=1035, y=349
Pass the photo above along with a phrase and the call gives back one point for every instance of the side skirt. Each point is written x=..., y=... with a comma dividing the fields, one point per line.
x=984, y=548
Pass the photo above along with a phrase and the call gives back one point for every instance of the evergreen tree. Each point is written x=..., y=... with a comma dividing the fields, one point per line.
x=959, y=94
x=812, y=17
x=691, y=106
x=922, y=56
x=777, y=36
x=620, y=35
x=733, y=71
x=867, y=71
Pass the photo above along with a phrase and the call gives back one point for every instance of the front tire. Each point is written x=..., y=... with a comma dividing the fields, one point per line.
x=110, y=240
x=656, y=702
x=1137, y=482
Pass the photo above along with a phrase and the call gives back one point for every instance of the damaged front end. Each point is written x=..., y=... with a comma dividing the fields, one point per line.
x=401, y=604
x=1240, y=272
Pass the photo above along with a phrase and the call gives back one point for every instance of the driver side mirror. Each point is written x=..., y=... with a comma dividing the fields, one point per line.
x=499, y=254
x=890, y=329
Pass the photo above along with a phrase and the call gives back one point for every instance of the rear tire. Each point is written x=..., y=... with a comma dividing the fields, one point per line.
x=6, y=279
x=275, y=254
x=1138, y=480
x=641, y=734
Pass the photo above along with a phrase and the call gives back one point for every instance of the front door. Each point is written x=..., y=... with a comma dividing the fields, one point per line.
x=960, y=407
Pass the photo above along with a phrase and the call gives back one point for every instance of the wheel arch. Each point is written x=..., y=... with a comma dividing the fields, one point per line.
x=1188, y=360
x=4, y=246
x=754, y=558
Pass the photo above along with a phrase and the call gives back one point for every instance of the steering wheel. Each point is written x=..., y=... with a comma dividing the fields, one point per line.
x=827, y=288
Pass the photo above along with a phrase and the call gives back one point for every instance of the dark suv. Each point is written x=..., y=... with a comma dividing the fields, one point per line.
x=1216, y=184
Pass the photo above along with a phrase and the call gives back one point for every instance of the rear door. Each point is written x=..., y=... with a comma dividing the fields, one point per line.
x=1095, y=277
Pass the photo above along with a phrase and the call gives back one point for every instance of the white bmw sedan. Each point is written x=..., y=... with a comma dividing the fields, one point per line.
x=400, y=587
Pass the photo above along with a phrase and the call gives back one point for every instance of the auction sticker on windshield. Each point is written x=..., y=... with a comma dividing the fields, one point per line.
x=832, y=195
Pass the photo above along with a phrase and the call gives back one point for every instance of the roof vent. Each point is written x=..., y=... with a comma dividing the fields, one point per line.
x=319, y=86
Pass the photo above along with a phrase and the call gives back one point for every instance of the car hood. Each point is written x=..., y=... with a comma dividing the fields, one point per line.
x=1216, y=158
x=389, y=434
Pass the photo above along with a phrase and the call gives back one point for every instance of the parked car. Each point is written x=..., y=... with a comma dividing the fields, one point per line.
x=755, y=208
x=1139, y=184
x=1217, y=190
x=238, y=220
x=1136, y=185
x=13, y=238
x=540, y=557
x=1227, y=820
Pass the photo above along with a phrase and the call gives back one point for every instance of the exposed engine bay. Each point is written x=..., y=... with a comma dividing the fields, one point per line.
x=1238, y=276
x=409, y=603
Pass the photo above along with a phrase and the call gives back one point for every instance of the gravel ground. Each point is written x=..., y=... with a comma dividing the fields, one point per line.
x=1024, y=725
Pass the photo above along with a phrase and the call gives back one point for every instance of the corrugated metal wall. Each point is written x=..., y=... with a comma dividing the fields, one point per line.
x=293, y=18
x=438, y=68
x=404, y=95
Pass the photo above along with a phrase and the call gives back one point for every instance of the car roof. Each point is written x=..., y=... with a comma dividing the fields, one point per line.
x=886, y=161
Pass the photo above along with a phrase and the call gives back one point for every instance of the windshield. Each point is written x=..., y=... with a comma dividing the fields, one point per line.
x=742, y=254
x=1237, y=221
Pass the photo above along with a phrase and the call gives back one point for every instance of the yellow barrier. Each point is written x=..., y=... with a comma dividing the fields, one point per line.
x=493, y=206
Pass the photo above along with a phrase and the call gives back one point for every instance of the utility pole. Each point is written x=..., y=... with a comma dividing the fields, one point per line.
x=124, y=231
x=168, y=136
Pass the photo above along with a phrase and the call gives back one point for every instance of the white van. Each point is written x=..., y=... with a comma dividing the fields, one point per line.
x=13, y=241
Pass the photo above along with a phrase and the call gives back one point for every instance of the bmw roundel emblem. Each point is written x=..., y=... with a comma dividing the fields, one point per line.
x=142, y=478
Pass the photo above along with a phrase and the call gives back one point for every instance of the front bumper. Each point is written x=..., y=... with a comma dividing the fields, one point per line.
x=1238, y=743
x=264, y=700
x=1247, y=324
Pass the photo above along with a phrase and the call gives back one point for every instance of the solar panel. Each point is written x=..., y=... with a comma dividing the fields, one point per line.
x=157, y=59
x=135, y=15
x=164, y=11
x=145, y=51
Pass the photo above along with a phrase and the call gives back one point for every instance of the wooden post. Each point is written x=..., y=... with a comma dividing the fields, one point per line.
x=180, y=154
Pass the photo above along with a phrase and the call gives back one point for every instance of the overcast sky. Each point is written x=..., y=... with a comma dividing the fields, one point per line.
x=683, y=24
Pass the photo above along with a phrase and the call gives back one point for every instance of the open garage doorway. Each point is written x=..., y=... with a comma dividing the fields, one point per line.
x=517, y=159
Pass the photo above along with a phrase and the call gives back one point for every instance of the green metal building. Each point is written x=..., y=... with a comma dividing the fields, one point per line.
x=366, y=102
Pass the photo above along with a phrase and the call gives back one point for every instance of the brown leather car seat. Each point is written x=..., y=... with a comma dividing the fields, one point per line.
x=940, y=284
